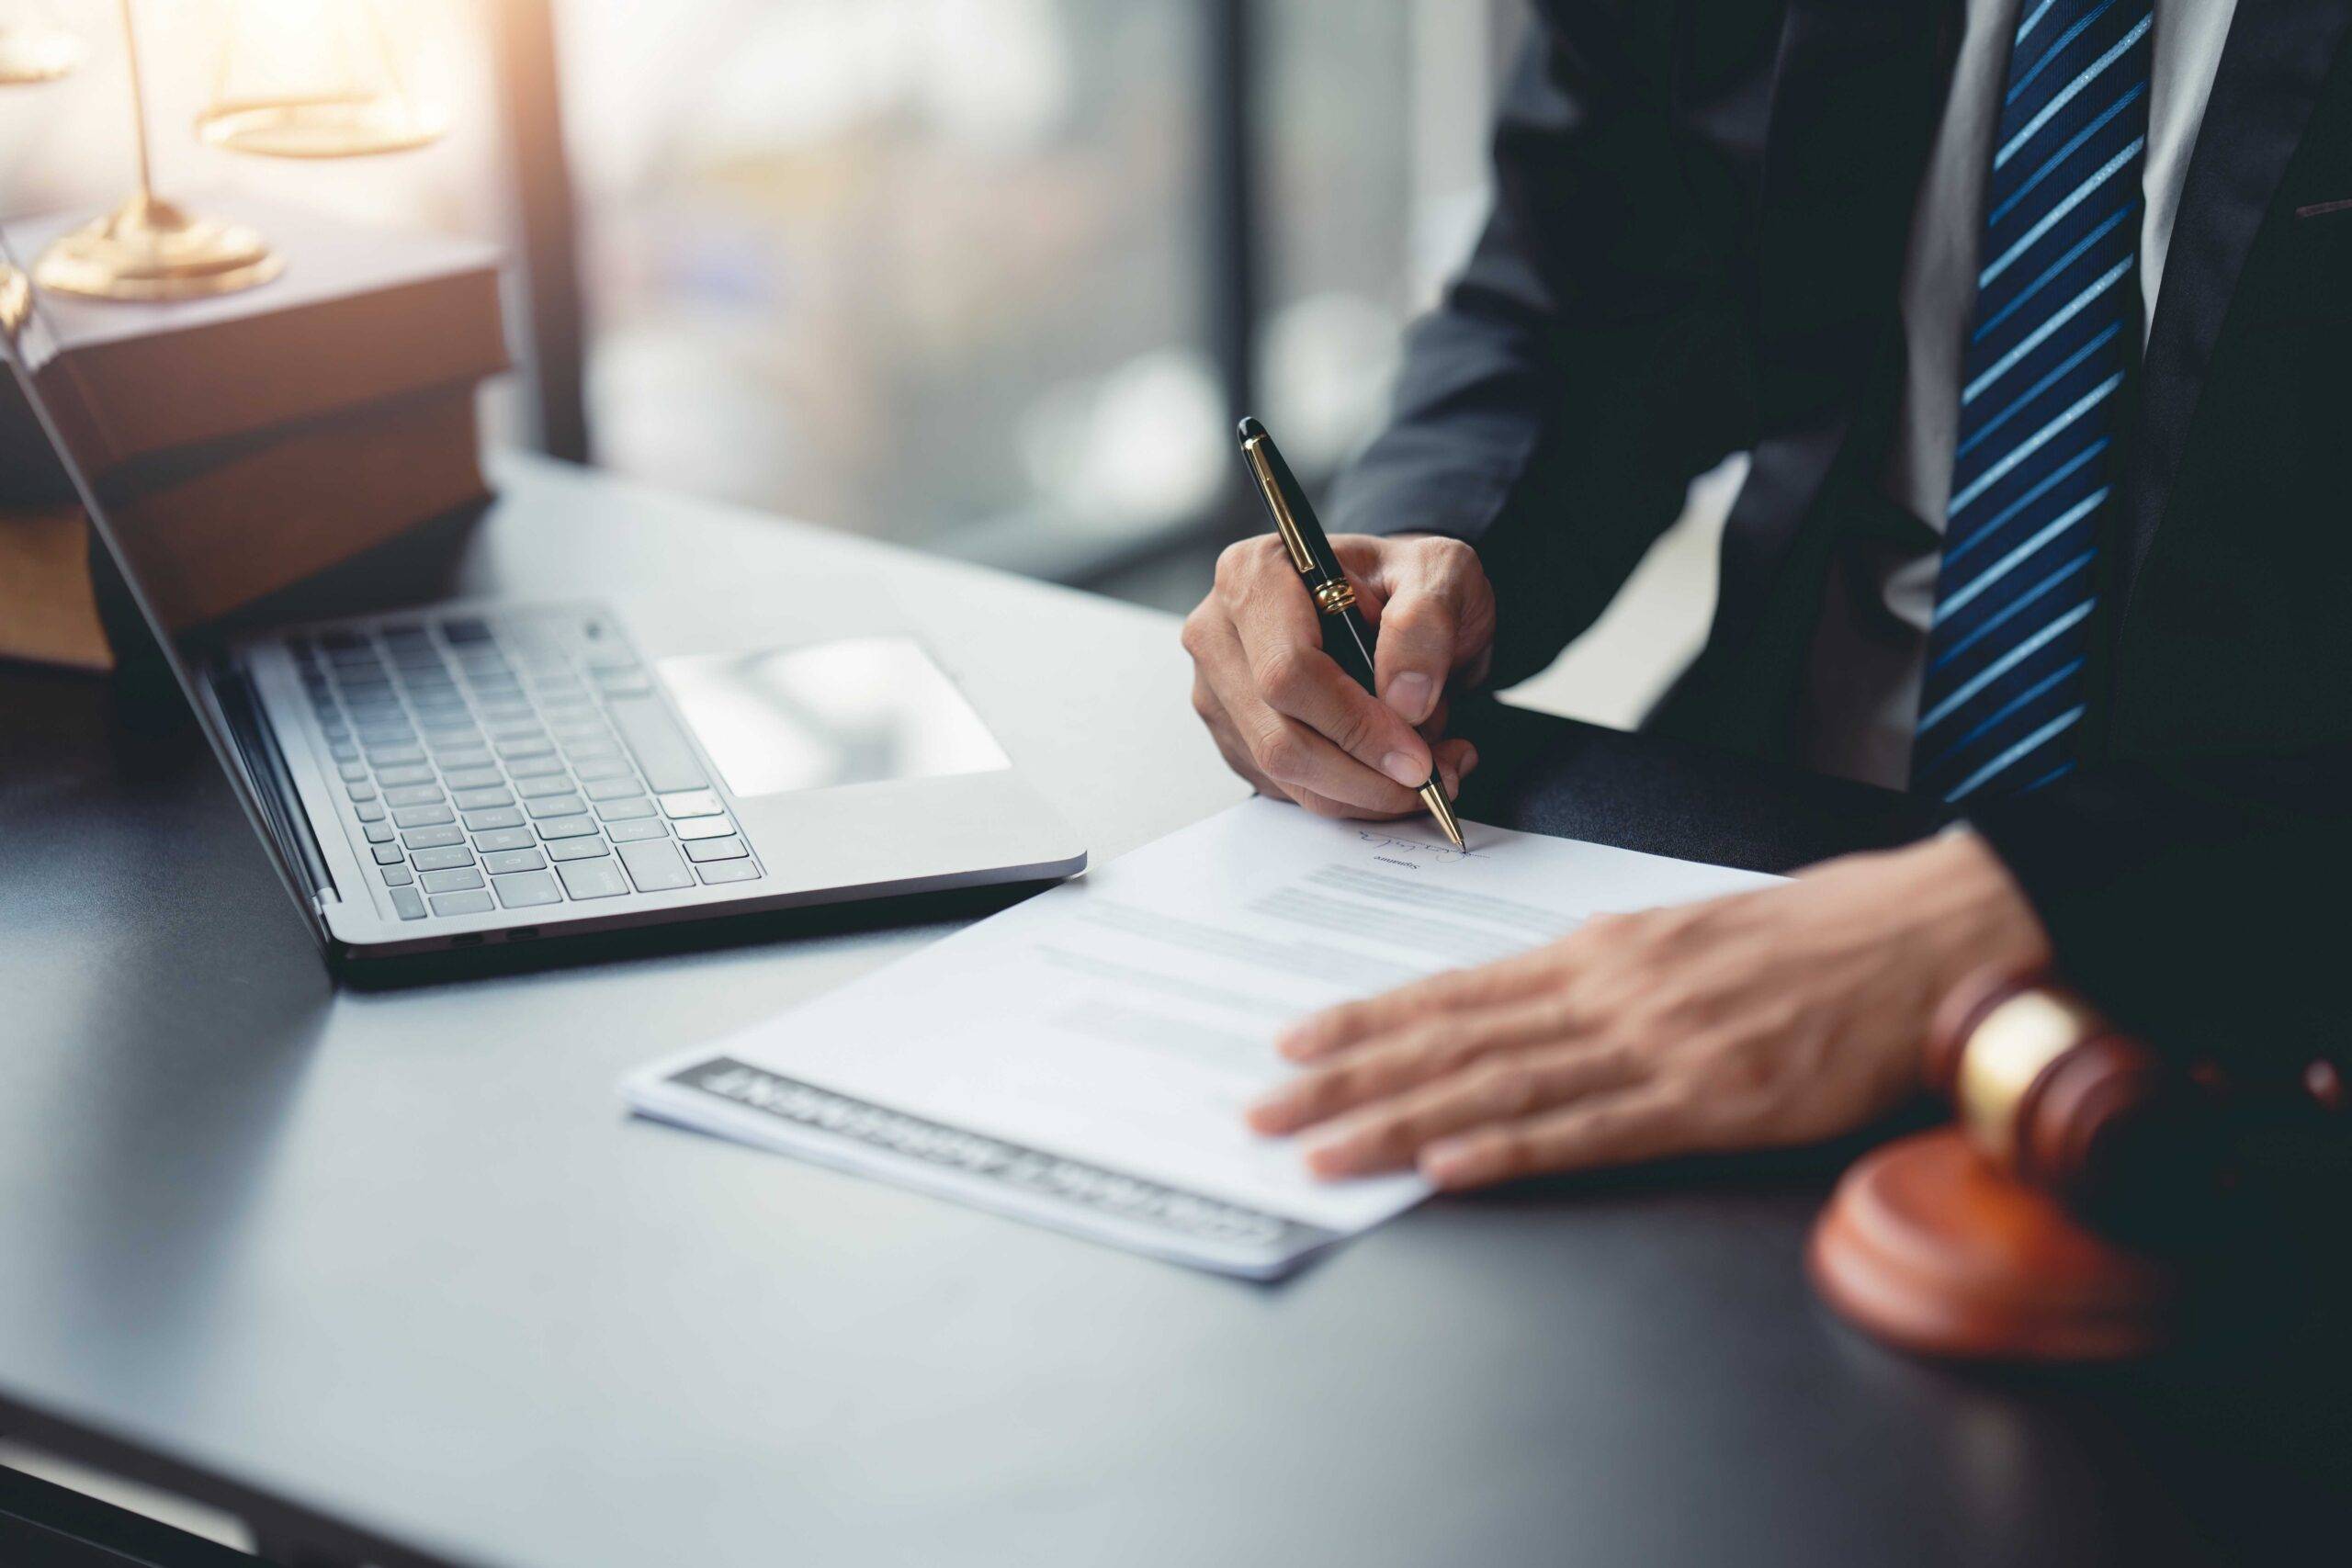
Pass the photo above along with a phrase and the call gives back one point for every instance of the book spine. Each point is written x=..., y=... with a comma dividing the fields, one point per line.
x=273, y=514
x=273, y=368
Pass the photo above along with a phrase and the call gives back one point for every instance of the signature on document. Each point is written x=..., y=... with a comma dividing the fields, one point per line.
x=1387, y=846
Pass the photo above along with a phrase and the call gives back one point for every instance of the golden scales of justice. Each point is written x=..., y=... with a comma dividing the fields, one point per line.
x=296, y=79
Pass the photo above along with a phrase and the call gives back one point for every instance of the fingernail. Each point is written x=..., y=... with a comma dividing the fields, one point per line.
x=1469, y=758
x=1267, y=1110
x=1411, y=694
x=1327, y=1154
x=1447, y=1162
x=1404, y=770
x=1452, y=780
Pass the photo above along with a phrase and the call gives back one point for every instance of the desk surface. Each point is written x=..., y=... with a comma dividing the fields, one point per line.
x=391, y=1271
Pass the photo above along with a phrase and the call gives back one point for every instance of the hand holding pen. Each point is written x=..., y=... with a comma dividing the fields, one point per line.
x=1270, y=682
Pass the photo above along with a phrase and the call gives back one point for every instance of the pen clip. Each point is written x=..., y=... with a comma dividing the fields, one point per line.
x=1278, y=504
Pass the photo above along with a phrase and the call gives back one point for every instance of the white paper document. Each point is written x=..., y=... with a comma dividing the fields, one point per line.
x=1083, y=1058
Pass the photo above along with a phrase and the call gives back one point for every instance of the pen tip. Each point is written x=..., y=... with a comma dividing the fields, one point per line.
x=1250, y=429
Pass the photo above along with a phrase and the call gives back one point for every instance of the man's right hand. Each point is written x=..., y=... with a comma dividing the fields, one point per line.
x=1294, y=724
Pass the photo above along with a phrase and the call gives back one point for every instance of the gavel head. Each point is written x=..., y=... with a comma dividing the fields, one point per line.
x=2053, y=1095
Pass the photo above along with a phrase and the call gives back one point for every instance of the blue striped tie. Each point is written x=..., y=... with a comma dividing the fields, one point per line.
x=2054, y=328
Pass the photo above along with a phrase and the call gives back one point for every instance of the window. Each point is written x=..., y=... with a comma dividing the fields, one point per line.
x=969, y=274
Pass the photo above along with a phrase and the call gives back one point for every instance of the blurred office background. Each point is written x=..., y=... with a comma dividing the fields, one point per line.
x=988, y=278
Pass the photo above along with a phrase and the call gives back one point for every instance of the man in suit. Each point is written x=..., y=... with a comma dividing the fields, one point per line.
x=2036, y=317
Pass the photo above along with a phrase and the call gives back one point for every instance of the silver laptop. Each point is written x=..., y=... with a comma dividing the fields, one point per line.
x=458, y=774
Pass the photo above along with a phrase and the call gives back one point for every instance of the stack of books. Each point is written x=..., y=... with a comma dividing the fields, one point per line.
x=245, y=443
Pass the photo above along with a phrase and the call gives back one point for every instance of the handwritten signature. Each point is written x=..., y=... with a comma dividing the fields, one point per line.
x=1443, y=853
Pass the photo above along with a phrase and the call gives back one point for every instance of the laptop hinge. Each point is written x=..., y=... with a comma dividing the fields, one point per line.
x=239, y=713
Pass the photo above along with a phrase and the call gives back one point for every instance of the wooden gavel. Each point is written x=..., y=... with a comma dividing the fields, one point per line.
x=2058, y=1218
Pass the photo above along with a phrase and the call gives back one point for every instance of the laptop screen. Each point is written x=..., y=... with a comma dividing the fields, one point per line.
x=65, y=455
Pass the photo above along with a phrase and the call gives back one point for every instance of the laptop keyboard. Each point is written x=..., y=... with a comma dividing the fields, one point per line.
x=514, y=764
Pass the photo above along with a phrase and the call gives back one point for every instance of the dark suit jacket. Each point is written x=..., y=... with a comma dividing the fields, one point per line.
x=1700, y=224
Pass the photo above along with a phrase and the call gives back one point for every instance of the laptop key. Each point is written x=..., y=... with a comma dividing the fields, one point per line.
x=655, y=866
x=605, y=768
x=444, y=859
x=455, y=881
x=567, y=827
x=498, y=862
x=647, y=826
x=610, y=789
x=495, y=816
x=546, y=783
x=406, y=773
x=576, y=849
x=534, y=767
x=361, y=790
x=377, y=832
x=463, y=757
x=482, y=800
x=691, y=803
x=390, y=854
x=565, y=805
x=396, y=875
x=369, y=810
x=730, y=871
x=499, y=839
x=412, y=795
x=538, y=748
x=352, y=772
x=472, y=778
x=527, y=888
x=405, y=900
x=592, y=878
x=625, y=810
x=432, y=838
x=729, y=847
x=422, y=815
x=463, y=902
x=703, y=827
x=659, y=746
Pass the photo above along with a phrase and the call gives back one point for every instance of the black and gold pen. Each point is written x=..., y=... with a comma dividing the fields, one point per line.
x=1347, y=637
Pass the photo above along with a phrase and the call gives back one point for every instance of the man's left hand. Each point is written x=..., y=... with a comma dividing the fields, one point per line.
x=1779, y=1017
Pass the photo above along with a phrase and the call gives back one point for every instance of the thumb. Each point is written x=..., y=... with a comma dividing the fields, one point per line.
x=1420, y=627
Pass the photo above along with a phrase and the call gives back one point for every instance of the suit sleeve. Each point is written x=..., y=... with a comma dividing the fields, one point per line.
x=1586, y=362
x=2196, y=906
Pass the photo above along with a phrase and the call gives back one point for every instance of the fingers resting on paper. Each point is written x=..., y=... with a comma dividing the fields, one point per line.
x=1764, y=1019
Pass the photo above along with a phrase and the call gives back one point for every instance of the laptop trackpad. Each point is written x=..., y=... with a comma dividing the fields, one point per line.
x=859, y=710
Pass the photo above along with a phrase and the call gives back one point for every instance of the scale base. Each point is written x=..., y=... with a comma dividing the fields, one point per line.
x=148, y=249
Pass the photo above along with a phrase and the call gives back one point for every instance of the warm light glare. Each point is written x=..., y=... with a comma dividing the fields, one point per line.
x=33, y=46
x=315, y=79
